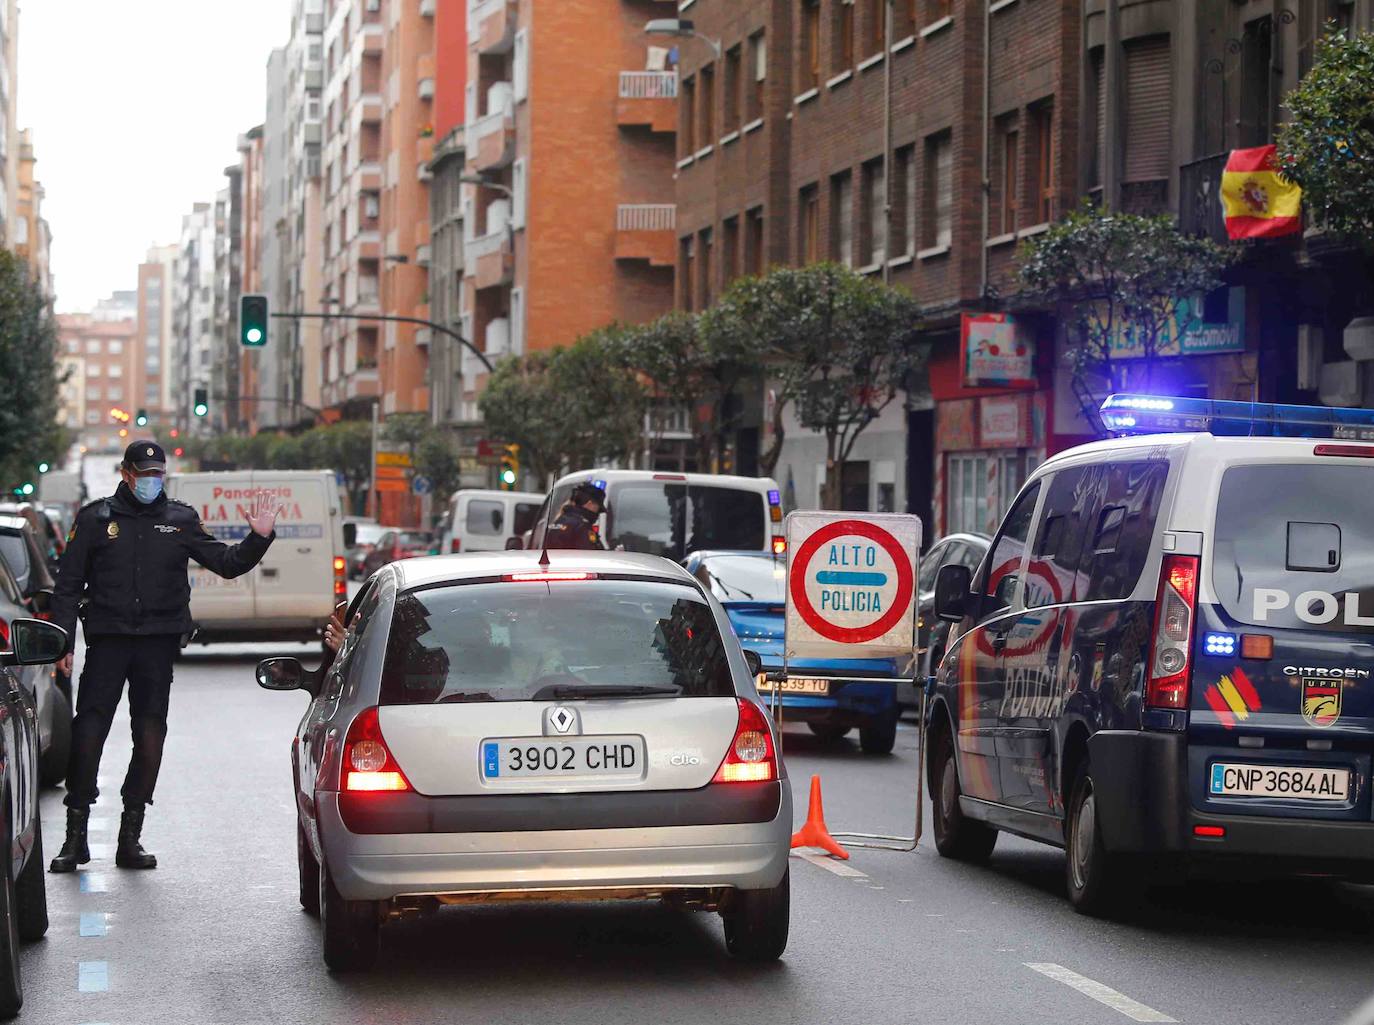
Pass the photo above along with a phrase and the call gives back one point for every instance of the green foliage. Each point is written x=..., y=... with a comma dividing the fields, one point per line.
x=436, y=457
x=29, y=429
x=1327, y=146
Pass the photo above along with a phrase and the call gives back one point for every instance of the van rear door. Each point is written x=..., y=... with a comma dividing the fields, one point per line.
x=295, y=580
x=220, y=502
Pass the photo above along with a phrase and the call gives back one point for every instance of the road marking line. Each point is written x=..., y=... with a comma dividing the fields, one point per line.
x=93, y=976
x=101, y=851
x=1132, y=1009
x=839, y=868
x=94, y=923
x=93, y=882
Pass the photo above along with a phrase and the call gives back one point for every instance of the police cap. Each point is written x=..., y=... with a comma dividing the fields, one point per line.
x=145, y=455
x=589, y=492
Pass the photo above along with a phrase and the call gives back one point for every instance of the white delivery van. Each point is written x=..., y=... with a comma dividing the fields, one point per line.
x=483, y=521
x=291, y=594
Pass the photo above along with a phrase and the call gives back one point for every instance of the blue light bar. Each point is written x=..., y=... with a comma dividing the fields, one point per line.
x=1220, y=644
x=774, y=498
x=599, y=484
x=1162, y=414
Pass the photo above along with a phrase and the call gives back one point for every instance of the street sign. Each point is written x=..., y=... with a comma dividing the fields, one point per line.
x=851, y=585
x=421, y=485
x=393, y=458
x=490, y=453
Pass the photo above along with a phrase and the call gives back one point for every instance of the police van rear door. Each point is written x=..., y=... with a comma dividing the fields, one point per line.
x=1282, y=705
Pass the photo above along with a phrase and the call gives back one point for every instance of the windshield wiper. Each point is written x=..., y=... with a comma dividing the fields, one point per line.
x=570, y=691
x=729, y=587
x=467, y=695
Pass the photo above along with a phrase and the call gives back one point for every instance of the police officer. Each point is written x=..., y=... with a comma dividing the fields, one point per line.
x=576, y=524
x=125, y=570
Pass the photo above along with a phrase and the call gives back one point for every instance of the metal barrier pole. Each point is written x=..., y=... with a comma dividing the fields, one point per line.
x=899, y=844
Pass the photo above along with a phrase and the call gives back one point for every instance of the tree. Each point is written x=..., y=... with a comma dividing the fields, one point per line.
x=29, y=429
x=1119, y=282
x=436, y=457
x=1327, y=146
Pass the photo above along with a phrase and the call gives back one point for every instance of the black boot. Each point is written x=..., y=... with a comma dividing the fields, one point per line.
x=130, y=853
x=74, y=850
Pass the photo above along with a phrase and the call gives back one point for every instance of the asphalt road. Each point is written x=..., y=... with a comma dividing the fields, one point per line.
x=215, y=934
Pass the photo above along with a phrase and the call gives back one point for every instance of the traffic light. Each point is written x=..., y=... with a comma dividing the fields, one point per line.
x=253, y=318
x=510, y=468
x=142, y=418
x=43, y=467
x=201, y=407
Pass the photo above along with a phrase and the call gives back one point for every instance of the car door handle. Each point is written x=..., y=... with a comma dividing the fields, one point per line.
x=269, y=571
x=304, y=551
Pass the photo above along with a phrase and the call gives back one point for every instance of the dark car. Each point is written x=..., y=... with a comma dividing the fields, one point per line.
x=396, y=544
x=25, y=587
x=933, y=632
x=49, y=537
x=364, y=541
x=752, y=588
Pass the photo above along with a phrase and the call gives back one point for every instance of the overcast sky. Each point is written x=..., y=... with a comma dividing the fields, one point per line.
x=136, y=107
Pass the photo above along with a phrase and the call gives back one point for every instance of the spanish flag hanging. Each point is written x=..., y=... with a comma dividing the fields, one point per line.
x=1258, y=201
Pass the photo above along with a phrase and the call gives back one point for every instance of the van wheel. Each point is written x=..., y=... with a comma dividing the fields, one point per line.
x=31, y=891
x=309, y=871
x=1098, y=881
x=956, y=835
x=351, y=929
x=829, y=734
x=52, y=760
x=878, y=739
x=757, y=921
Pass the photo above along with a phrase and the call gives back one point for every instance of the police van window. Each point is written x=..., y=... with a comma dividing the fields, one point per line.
x=486, y=517
x=1123, y=529
x=1058, y=548
x=673, y=520
x=525, y=512
x=1004, y=565
x=1290, y=532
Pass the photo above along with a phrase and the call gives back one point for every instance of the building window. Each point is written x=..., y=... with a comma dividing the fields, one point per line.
x=876, y=17
x=729, y=252
x=519, y=193
x=809, y=74
x=520, y=66
x=689, y=116
x=1256, y=88
x=92, y=417
x=809, y=225
x=1149, y=111
x=904, y=202
x=116, y=370
x=150, y=395
x=842, y=218
x=93, y=395
x=755, y=255
x=95, y=370
x=93, y=347
x=730, y=115
x=116, y=347
x=936, y=10
x=939, y=191
x=116, y=394
x=73, y=346
x=1097, y=120
x=1042, y=186
x=706, y=102
x=758, y=70
x=705, y=247
x=843, y=52
x=874, y=200
x=1006, y=189
x=687, y=261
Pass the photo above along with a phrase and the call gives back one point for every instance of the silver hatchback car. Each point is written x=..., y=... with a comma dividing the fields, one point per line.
x=518, y=725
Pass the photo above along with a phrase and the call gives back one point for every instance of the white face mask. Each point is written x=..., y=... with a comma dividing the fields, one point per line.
x=146, y=489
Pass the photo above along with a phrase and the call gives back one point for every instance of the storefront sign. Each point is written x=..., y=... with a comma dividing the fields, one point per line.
x=999, y=351
x=1188, y=333
x=1002, y=422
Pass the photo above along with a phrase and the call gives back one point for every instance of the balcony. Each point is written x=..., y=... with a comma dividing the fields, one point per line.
x=427, y=8
x=647, y=231
x=491, y=24
x=491, y=141
x=490, y=260
x=648, y=98
x=1200, y=212
x=370, y=110
x=424, y=88
x=422, y=255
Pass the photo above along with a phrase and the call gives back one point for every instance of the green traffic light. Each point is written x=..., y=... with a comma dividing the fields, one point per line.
x=27, y=489
x=201, y=409
x=253, y=336
x=254, y=312
x=43, y=467
x=508, y=476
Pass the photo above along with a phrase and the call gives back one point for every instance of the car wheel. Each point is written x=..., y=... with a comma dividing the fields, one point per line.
x=1099, y=881
x=956, y=835
x=829, y=734
x=309, y=870
x=878, y=739
x=11, y=983
x=52, y=759
x=756, y=922
x=351, y=930
x=31, y=891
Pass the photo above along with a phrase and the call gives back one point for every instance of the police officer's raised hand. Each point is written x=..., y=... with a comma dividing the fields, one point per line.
x=64, y=664
x=262, y=518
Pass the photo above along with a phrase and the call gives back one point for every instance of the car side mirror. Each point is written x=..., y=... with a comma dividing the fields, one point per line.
x=755, y=663
x=350, y=535
x=953, y=585
x=41, y=600
x=515, y=544
x=281, y=674
x=35, y=642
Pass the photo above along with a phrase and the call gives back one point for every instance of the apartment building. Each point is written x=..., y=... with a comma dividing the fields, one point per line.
x=154, y=375
x=570, y=118
x=256, y=203
x=29, y=232
x=9, y=127
x=193, y=298
x=105, y=350
x=226, y=411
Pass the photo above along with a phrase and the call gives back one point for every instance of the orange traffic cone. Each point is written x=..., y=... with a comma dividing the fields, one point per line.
x=814, y=833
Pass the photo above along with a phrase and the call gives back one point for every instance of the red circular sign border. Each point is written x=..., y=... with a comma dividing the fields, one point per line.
x=851, y=635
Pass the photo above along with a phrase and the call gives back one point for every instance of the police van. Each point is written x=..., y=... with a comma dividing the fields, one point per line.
x=1164, y=661
x=291, y=594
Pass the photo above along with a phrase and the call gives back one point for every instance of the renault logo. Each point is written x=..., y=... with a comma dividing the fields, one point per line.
x=561, y=719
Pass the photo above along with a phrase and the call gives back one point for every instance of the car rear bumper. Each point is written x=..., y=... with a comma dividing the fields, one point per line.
x=514, y=858
x=1141, y=784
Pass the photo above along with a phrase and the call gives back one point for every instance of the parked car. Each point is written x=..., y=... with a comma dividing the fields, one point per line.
x=52, y=541
x=25, y=589
x=752, y=587
x=32, y=644
x=675, y=514
x=484, y=521
x=933, y=632
x=500, y=727
x=398, y=543
x=365, y=538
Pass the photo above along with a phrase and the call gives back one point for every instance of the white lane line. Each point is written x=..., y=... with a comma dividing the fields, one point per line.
x=93, y=977
x=94, y=923
x=93, y=882
x=1103, y=994
x=101, y=851
x=830, y=864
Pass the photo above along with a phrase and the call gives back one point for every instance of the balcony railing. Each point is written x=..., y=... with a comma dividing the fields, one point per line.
x=648, y=85
x=646, y=217
x=1199, y=198
x=486, y=245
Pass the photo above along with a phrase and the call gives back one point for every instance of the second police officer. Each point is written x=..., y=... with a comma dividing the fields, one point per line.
x=576, y=526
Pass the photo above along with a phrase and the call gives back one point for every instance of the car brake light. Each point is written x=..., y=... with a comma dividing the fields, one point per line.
x=367, y=763
x=1210, y=832
x=668, y=476
x=545, y=578
x=4, y=634
x=1355, y=451
x=1169, y=663
x=779, y=545
x=750, y=758
x=456, y=545
x=340, y=576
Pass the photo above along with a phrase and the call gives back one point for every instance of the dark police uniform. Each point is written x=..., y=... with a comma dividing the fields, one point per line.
x=124, y=570
x=576, y=527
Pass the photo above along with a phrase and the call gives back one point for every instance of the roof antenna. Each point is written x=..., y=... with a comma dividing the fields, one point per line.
x=544, y=561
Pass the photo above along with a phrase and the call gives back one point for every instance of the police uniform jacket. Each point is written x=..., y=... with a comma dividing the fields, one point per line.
x=125, y=565
x=574, y=528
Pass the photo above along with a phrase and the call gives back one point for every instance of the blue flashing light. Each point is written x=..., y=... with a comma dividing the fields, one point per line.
x=599, y=484
x=1219, y=644
x=774, y=498
x=1156, y=414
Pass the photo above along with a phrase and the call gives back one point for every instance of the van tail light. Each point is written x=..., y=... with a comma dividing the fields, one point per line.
x=455, y=546
x=1175, y=613
x=4, y=634
x=750, y=758
x=368, y=765
x=340, y=577
x=779, y=545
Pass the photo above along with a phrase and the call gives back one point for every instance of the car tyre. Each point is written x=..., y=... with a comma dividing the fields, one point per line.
x=756, y=922
x=52, y=759
x=31, y=891
x=878, y=739
x=11, y=981
x=351, y=929
x=1099, y=882
x=956, y=835
x=829, y=734
x=309, y=871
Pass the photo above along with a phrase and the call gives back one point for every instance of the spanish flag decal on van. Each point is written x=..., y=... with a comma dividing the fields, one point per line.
x=1233, y=698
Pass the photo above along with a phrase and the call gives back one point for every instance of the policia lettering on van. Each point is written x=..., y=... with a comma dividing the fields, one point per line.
x=1166, y=656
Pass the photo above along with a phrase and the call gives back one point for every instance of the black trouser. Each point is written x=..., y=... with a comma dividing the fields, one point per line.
x=146, y=662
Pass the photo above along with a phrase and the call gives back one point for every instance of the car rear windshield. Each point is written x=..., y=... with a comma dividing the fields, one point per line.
x=673, y=520
x=15, y=551
x=553, y=642
x=745, y=578
x=1295, y=547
